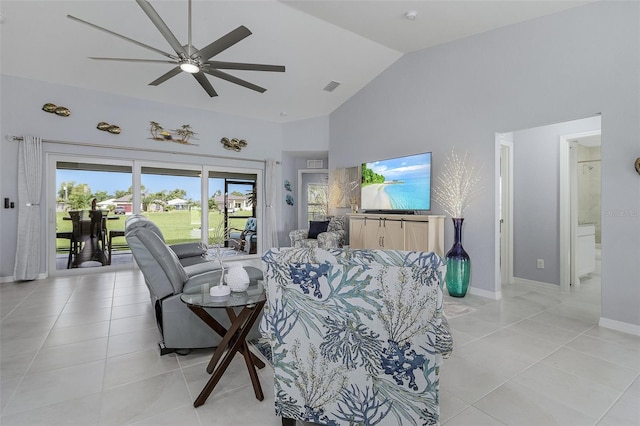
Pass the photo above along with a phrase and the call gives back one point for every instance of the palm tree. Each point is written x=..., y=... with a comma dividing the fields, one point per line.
x=155, y=128
x=185, y=133
x=252, y=195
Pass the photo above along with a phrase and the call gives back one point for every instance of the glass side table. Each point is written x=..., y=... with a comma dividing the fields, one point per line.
x=233, y=339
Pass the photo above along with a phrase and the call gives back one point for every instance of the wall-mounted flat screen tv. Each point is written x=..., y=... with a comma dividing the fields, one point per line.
x=400, y=184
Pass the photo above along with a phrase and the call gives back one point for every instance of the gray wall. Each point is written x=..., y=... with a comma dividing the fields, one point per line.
x=21, y=114
x=302, y=140
x=557, y=68
x=292, y=161
x=536, y=198
x=306, y=135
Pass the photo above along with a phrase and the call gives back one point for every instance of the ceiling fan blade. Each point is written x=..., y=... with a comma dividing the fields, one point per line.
x=223, y=43
x=236, y=80
x=161, y=26
x=166, y=76
x=204, y=82
x=241, y=66
x=153, y=61
x=123, y=37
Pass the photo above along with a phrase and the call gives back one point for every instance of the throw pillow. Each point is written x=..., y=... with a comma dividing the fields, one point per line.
x=316, y=227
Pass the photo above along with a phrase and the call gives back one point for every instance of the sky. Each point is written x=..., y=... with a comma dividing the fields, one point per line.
x=397, y=168
x=112, y=181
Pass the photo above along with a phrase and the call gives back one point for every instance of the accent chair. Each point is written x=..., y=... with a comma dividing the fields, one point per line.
x=357, y=336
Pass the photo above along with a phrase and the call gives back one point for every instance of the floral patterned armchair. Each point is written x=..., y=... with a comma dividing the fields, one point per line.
x=357, y=336
x=333, y=237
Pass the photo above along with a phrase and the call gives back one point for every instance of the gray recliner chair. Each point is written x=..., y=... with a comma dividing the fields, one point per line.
x=188, y=253
x=167, y=279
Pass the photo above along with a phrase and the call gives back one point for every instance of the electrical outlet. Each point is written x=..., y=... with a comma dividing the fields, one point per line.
x=540, y=264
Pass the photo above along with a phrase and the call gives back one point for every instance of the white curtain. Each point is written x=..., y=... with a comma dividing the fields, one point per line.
x=270, y=239
x=27, y=265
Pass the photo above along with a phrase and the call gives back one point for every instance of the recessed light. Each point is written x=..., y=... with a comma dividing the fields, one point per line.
x=411, y=15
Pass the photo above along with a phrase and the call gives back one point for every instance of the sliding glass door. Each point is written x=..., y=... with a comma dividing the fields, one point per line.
x=232, y=200
x=171, y=199
x=89, y=200
x=186, y=201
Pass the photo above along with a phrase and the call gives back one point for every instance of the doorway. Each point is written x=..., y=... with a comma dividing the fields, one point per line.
x=91, y=197
x=184, y=200
x=580, y=206
x=311, y=180
x=232, y=200
x=535, y=247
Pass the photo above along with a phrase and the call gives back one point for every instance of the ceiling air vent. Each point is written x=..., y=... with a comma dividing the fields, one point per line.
x=314, y=164
x=331, y=86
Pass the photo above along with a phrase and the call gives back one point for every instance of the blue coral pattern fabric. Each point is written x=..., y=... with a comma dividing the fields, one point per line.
x=357, y=336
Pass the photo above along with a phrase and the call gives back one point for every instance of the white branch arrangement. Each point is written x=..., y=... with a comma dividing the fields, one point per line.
x=457, y=185
x=217, y=237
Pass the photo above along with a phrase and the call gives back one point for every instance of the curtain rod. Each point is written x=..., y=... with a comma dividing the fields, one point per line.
x=126, y=148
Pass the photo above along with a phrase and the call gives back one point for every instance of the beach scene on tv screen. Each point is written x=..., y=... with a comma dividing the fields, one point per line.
x=397, y=184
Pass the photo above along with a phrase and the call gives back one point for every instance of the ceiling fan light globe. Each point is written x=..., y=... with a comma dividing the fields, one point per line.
x=190, y=68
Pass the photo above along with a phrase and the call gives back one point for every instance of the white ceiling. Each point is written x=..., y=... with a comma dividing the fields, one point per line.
x=318, y=41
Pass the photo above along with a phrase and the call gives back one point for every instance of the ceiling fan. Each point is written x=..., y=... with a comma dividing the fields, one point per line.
x=187, y=58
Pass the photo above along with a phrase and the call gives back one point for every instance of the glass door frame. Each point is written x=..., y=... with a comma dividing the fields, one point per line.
x=51, y=159
x=193, y=168
x=50, y=188
x=229, y=215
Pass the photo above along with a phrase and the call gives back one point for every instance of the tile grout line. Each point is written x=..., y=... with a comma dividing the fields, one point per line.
x=37, y=352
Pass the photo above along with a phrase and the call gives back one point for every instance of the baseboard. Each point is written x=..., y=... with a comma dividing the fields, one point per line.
x=625, y=327
x=533, y=283
x=493, y=295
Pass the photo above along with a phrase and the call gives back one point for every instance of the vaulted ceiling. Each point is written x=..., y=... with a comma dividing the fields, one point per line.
x=349, y=42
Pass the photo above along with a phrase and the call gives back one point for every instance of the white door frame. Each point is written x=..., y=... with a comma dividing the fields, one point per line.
x=506, y=219
x=569, y=208
x=503, y=237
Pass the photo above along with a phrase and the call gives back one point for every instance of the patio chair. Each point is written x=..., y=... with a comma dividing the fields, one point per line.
x=246, y=239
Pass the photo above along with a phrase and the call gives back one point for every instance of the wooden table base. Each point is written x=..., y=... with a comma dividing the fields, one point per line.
x=233, y=340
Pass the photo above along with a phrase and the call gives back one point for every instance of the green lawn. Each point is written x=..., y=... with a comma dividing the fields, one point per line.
x=177, y=226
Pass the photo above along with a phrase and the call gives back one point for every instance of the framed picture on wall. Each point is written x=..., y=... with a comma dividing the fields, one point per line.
x=346, y=187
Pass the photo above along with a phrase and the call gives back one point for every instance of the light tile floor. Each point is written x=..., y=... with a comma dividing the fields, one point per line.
x=83, y=351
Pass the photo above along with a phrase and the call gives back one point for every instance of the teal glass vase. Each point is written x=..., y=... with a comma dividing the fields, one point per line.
x=458, y=264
